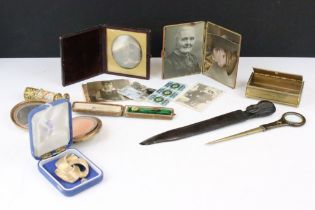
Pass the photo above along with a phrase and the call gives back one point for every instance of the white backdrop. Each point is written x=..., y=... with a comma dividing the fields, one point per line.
x=271, y=170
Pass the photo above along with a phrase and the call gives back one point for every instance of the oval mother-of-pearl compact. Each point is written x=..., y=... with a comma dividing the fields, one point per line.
x=85, y=127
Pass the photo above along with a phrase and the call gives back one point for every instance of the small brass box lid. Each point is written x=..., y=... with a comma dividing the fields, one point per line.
x=275, y=86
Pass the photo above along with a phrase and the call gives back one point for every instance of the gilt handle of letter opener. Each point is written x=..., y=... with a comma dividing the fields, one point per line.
x=261, y=109
x=293, y=119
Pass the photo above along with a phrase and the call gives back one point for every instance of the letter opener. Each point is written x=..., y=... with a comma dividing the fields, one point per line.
x=261, y=109
x=288, y=119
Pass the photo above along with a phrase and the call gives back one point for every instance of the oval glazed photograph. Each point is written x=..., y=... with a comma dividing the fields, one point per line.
x=126, y=51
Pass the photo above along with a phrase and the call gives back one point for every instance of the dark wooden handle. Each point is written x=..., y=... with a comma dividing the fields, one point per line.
x=261, y=109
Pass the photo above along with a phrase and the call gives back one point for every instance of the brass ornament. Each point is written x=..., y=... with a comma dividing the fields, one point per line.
x=279, y=87
x=71, y=168
x=80, y=163
x=31, y=94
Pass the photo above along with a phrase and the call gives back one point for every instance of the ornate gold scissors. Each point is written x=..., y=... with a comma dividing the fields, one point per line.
x=293, y=119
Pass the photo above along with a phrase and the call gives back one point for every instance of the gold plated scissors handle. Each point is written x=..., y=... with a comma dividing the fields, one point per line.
x=293, y=119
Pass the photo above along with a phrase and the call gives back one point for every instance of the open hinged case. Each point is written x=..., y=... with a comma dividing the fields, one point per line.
x=116, y=110
x=201, y=47
x=105, y=49
x=50, y=128
x=275, y=86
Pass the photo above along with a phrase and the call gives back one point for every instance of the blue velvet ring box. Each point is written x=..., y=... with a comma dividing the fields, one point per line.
x=50, y=129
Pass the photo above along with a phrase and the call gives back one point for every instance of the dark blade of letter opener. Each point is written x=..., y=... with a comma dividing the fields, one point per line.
x=261, y=109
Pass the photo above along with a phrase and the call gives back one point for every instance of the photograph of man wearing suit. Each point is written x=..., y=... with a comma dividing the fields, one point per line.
x=182, y=60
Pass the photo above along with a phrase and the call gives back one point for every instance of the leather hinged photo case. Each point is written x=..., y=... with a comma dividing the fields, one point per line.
x=105, y=49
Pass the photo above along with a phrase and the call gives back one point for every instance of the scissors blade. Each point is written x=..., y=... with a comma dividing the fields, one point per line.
x=245, y=133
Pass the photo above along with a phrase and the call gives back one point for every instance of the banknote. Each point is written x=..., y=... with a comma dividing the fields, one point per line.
x=175, y=86
x=136, y=91
x=132, y=93
x=142, y=88
x=158, y=99
x=167, y=93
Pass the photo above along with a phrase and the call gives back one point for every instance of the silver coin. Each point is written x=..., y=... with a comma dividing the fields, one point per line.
x=126, y=51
